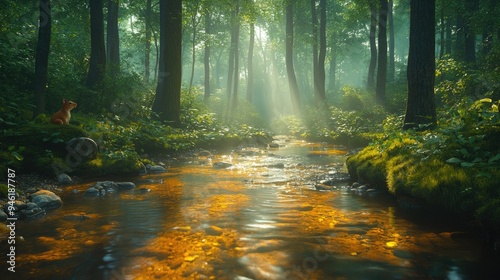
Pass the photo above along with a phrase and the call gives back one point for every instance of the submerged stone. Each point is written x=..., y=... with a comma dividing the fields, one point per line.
x=46, y=199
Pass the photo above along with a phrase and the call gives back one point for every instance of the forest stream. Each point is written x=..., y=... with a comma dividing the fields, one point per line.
x=266, y=216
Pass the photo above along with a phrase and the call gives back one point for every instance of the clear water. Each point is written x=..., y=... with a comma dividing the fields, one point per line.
x=262, y=218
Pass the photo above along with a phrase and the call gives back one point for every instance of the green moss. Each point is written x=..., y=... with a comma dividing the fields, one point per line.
x=368, y=165
x=4, y=190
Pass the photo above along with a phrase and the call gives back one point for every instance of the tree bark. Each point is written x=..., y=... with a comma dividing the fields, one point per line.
x=112, y=38
x=370, y=83
x=250, y=63
x=420, y=107
x=470, y=36
x=206, y=60
x=232, y=64
x=392, y=64
x=194, y=23
x=97, y=64
x=322, y=53
x=42, y=56
x=147, y=53
x=318, y=93
x=168, y=90
x=382, y=53
x=442, y=31
x=292, y=79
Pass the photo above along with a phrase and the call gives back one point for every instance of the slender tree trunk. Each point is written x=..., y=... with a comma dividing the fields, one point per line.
x=459, y=52
x=236, y=80
x=382, y=53
x=97, y=65
x=392, y=64
x=442, y=31
x=370, y=84
x=470, y=35
x=322, y=53
x=332, y=70
x=292, y=79
x=250, y=63
x=233, y=49
x=420, y=107
x=208, y=25
x=194, y=23
x=168, y=90
x=112, y=38
x=147, y=41
x=42, y=56
x=316, y=74
x=448, y=36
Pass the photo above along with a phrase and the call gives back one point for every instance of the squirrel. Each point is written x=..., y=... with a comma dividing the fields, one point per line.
x=62, y=116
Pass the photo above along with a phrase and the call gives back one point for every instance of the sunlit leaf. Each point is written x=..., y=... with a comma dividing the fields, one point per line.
x=453, y=160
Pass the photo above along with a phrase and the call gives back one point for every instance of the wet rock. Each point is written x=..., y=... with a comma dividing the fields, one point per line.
x=156, y=169
x=93, y=191
x=3, y=216
x=277, y=165
x=274, y=145
x=125, y=186
x=204, y=153
x=32, y=212
x=84, y=147
x=214, y=231
x=323, y=187
x=221, y=165
x=17, y=205
x=64, y=179
x=144, y=190
x=355, y=185
x=46, y=199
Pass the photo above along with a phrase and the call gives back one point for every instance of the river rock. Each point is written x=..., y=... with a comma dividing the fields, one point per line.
x=92, y=191
x=32, y=212
x=64, y=179
x=125, y=186
x=46, y=199
x=221, y=165
x=3, y=216
x=156, y=169
x=84, y=147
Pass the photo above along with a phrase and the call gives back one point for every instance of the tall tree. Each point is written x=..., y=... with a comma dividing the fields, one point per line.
x=250, y=63
x=147, y=39
x=195, y=21
x=471, y=7
x=322, y=52
x=392, y=65
x=292, y=79
x=382, y=52
x=370, y=83
x=233, y=73
x=168, y=89
x=206, y=59
x=420, y=107
x=42, y=56
x=112, y=37
x=318, y=74
x=97, y=64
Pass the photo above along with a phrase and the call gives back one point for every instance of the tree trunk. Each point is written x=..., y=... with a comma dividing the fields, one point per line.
x=236, y=79
x=470, y=36
x=206, y=61
x=42, y=56
x=392, y=64
x=292, y=79
x=148, y=41
x=382, y=53
x=420, y=107
x=194, y=23
x=250, y=63
x=322, y=53
x=232, y=59
x=442, y=31
x=112, y=38
x=316, y=74
x=168, y=90
x=370, y=83
x=448, y=36
x=97, y=64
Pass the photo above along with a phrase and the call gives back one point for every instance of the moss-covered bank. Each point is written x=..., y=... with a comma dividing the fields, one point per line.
x=437, y=172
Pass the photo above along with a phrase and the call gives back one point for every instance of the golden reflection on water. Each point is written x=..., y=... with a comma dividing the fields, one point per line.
x=220, y=226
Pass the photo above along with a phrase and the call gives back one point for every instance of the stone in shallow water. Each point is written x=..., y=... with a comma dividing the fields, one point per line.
x=46, y=199
x=191, y=258
x=64, y=179
x=221, y=165
x=391, y=244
